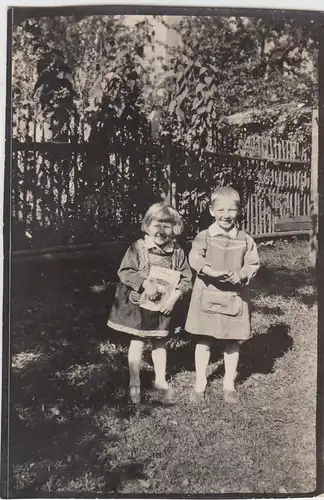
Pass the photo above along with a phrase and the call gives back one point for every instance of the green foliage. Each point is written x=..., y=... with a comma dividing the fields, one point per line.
x=229, y=64
x=79, y=63
x=223, y=65
x=226, y=65
x=87, y=77
x=93, y=80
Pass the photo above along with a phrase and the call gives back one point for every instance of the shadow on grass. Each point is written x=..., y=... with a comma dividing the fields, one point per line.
x=69, y=367
x=56, y=441
x=64, y=458
x=286, y=283
x=268, y=310
x=259, y=354
x=66, y=371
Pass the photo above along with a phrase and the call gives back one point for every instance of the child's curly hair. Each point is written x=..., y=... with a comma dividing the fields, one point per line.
x=163, y=213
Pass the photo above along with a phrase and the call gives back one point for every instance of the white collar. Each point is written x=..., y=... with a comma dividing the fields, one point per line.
x=149, y=243
x=215, y=230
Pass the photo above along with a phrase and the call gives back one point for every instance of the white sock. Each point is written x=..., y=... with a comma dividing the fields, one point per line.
x=231, y=357
x=134, y=362
x=202, y=355
x=159, y=358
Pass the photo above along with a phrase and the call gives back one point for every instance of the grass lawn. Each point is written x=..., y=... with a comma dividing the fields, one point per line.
x=73, y=434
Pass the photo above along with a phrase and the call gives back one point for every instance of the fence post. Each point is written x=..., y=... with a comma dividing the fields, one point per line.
x=313, y=244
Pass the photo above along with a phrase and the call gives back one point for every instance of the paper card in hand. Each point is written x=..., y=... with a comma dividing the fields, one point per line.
x=166, y=281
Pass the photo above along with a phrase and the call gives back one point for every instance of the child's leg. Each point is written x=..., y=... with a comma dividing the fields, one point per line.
x=231, y=357
x=134, y=361
x=202, y=355
x=159, y=361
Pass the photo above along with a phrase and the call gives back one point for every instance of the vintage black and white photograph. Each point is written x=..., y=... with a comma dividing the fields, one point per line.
x=162, y=172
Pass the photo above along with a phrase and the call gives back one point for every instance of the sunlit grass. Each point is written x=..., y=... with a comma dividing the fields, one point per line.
x=73, y=433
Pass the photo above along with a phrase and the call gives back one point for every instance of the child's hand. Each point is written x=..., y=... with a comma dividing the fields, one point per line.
x=233, y=277
x=169, y=304
x=150, y=289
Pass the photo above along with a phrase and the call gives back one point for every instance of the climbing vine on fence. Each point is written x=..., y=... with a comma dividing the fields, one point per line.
x=91, y=80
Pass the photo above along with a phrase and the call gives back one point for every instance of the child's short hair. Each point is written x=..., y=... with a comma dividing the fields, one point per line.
x=225, y=191
x=164, y=213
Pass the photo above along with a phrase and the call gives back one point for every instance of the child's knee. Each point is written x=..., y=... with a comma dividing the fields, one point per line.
x=136, y=346
x=158, y=344
x=231, y=346
x=203, y=345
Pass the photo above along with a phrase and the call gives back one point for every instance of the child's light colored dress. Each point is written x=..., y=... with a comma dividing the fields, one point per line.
x=221, y=310
x=127, y=316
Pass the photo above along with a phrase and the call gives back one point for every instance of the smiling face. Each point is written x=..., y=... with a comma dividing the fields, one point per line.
x=160, y=231
x=225, y=209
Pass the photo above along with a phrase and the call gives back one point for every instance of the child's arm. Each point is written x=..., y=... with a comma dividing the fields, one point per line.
x=251, y=262
x=250, y=266
x=185, y=282
x=128, y=271
x=130, y=275
x=197, y=258
x=169, y=304
x=184, y=285
x=197, y=253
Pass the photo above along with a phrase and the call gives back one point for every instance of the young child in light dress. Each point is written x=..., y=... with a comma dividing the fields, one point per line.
x=225, y=259
x=158, y=247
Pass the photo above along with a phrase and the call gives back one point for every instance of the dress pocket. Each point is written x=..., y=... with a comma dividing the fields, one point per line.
x=216, y=302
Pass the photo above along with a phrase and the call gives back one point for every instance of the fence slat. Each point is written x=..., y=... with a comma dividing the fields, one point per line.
x=266, y=147
x=284, y=180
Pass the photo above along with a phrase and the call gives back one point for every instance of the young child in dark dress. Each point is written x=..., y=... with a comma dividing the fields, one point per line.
x=225, y=259
x=159, y=250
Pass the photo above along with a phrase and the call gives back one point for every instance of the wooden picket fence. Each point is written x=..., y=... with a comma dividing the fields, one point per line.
x=62, y=194
x=69, y=193
x=286, y=194
x=271, y=148
x=271, y=190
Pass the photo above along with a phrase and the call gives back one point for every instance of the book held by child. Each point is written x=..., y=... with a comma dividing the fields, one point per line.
x=166, y=281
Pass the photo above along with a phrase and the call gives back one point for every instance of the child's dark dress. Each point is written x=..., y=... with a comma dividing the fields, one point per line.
x=127, y=316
